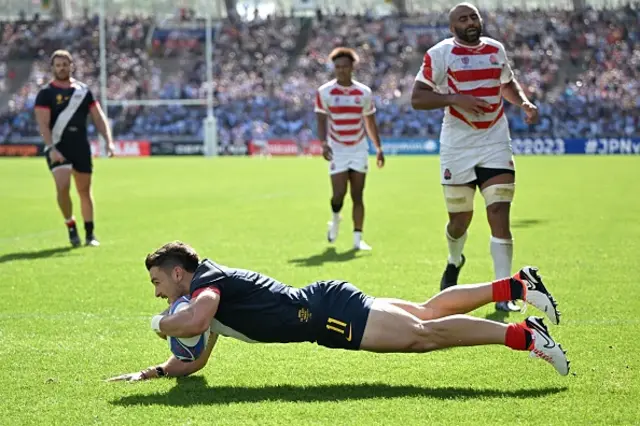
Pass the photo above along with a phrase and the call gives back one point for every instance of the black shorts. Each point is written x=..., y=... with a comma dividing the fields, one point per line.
x=80, y=160
x=484, y=174
x=341, y=312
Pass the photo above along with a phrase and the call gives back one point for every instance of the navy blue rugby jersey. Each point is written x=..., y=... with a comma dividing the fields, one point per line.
x=257, y=308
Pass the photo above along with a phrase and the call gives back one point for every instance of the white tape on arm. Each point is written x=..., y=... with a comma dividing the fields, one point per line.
x=155, y=323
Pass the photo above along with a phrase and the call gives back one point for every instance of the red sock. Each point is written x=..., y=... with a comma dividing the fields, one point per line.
x=502, y=290
x=70, y=223
x=518, y=337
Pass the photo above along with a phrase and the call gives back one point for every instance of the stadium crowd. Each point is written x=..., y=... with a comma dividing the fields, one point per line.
x=581, y=69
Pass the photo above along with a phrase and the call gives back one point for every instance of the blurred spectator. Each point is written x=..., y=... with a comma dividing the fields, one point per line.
x=582, y=70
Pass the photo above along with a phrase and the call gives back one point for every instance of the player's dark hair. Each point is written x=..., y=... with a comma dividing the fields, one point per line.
x=173, y=254
x=344, y=52
x=60, y=53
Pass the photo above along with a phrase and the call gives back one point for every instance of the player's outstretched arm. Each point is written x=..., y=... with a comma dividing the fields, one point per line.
x=192, y=321
x=173, y=367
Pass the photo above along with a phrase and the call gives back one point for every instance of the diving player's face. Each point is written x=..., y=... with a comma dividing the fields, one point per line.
x=61, y=69
x=343, y=68
x=466, y=24
x=165, y=282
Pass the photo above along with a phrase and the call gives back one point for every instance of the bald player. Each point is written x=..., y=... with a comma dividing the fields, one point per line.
x=469, y=75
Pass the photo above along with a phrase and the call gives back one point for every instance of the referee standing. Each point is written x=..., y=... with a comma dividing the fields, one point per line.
x=61, y=110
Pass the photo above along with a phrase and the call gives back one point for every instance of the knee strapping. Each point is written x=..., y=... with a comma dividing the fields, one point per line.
x=499, y=193
x=458, y=198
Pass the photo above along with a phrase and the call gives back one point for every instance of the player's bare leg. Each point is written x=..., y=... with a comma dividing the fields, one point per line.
x=457, y=197
x=525, y=285
x=62, y=178
x=453, y=300
x=83, y=186
x=357, y=182
x=339, y=182
x=391, y=329
x=498, y=213
x=463, y=299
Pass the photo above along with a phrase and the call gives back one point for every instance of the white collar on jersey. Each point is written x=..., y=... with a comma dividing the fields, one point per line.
x=476, y=47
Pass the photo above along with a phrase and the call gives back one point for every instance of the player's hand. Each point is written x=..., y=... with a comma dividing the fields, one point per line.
x=111, y=149
x=327, y=152
x=55, y=156
x=130, y=377
x=471, y=104
x=531, y=112
x=380, y=158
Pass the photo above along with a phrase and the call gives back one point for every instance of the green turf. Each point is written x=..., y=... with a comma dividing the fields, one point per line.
x=71, y=318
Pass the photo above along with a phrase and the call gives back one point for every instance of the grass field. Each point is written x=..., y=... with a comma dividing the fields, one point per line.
x=71, y=318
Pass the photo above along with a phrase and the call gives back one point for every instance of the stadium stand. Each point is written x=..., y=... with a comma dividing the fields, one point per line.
x=581, y=68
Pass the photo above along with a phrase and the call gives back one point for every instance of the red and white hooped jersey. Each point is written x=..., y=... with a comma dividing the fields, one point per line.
x=480, y=71
x=346, y=108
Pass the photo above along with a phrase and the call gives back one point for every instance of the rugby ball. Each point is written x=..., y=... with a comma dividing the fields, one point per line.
x=186, y=349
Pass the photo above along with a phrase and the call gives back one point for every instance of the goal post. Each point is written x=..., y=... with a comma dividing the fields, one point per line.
x=209, y=123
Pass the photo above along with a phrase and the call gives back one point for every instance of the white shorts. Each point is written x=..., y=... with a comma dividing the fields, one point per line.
x=357, y=162
x=458, y=166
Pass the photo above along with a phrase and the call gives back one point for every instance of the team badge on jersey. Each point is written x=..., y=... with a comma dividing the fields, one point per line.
x=447, y=174
x=465, y=60
x=304, y=315
x=493, y=59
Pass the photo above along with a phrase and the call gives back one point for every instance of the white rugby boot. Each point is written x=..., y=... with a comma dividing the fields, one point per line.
x=544, y=347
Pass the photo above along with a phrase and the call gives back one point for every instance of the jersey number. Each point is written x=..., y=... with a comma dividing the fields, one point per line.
x=339, y=327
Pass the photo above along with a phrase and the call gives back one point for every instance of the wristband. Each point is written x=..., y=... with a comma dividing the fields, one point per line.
x=160, y=371
x=155, y=323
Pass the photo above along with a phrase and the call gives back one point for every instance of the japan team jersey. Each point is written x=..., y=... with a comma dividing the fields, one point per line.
x=480, y=71
x=346, y=108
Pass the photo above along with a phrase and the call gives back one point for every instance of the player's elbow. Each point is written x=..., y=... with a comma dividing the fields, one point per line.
x=417, y=101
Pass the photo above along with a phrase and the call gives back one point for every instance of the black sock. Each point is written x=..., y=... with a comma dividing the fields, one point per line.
x=517, y=289
x=527, y=338
x=88, y=227
x=336, y=207
x=357, y=230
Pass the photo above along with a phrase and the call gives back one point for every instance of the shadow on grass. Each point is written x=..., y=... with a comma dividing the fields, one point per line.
x=194, y=391
x=32, y=255
x=329, y=255
x=526, y=223
x=499, y=316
